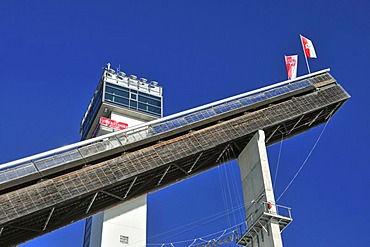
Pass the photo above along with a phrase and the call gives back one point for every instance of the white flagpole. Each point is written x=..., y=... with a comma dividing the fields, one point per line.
x=308, y=67
x=286, y=67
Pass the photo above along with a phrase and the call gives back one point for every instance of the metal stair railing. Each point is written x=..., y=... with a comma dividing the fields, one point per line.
x=267, y=212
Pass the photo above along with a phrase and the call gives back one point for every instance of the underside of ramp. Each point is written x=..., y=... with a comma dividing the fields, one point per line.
x=28, y=212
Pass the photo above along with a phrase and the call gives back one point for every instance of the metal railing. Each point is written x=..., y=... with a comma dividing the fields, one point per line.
x=43, y=164
x=269, y=208
x=275, y=209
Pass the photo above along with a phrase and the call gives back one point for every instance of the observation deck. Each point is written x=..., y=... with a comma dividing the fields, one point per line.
x=43, y=192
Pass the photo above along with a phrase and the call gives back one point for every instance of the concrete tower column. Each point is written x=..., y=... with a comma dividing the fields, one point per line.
x=123, y=225
x=258, y=194
x=120, y=102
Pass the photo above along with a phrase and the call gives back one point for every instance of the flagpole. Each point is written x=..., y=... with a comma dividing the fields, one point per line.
x=308, y=67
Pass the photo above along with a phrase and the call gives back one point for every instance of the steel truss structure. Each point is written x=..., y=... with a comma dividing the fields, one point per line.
x=38, y=206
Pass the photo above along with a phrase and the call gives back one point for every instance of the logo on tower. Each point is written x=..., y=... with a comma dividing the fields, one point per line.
x=112, y=123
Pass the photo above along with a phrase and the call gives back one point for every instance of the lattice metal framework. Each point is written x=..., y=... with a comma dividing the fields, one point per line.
x=38, y=208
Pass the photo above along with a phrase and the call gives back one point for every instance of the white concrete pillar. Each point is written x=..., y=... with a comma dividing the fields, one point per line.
x=257, y=188
x=123, y=225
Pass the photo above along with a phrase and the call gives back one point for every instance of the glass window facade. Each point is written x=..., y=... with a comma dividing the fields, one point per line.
x=122, y=97
x=133, y=99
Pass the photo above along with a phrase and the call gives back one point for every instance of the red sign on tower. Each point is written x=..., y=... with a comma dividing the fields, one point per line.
x=112, y=123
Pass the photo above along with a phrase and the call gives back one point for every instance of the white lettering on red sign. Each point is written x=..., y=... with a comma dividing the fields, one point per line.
x=113, y=123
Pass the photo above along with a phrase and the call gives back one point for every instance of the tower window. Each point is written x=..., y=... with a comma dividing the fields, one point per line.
x=133, y=96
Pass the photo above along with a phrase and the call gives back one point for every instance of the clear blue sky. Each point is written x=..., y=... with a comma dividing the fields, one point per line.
x=51, y=54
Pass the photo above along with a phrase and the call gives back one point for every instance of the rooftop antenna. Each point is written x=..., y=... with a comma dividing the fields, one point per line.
x=119, y=68
x=108, y=66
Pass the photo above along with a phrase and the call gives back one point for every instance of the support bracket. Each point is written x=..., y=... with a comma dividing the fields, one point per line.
x=129, y=188
x=163, y=175
x=48, y=219
x=92, y=201
x=195, y=162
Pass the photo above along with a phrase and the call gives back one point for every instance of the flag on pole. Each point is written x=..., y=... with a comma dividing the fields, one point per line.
x=291, y=66
x=308, y=48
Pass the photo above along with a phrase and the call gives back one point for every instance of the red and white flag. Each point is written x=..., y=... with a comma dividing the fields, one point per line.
x=291, y=66
x=309, y=50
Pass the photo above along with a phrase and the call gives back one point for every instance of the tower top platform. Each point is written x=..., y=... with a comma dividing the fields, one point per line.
x=131, y=96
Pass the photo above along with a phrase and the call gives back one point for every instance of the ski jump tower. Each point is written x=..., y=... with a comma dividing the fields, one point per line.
x=120, y=102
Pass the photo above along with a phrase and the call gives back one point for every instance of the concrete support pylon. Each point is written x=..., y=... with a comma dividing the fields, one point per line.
x=122, y=225
x=258, y=194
